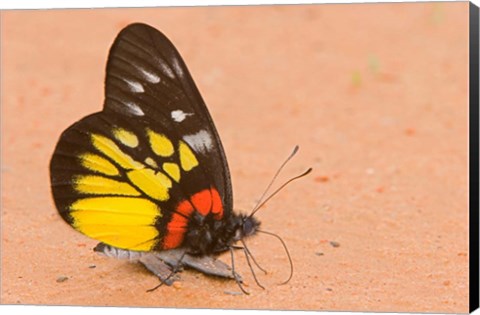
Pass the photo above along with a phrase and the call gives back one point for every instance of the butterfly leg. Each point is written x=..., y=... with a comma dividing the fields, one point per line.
x=237, y=280
x=159, y=268
x=247, y=253
x=253, y=258
x=169, y=279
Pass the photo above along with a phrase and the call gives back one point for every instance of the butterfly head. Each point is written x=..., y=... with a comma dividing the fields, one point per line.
x=249, y=226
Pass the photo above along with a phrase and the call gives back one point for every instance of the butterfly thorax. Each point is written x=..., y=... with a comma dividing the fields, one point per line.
x=208, y=236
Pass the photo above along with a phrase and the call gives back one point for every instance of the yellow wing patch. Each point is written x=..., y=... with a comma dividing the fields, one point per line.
x=98, y=164
x=187, y=159
x=173, y=170
x=160, y=144
x=123, y=222
x=152, y=183
x=99, y=185
x=110, y=149
x=117, y=203
x=126, y=137
x=151, y=162
x=140, y=238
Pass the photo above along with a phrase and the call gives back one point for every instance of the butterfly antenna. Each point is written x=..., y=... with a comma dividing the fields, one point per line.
x=278, y=189
x=286, y=250
x=275, y=176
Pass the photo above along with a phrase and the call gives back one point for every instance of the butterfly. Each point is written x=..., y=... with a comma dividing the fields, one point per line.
x=148, y=174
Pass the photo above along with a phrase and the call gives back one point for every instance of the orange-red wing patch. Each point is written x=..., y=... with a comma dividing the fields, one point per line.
x=207, y=201
x=176, y=229
x=217, y=206
x=185, y=207
x=204, y=202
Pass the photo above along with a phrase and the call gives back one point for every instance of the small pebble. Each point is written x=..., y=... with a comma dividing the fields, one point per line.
x=329, y=289
x=319, y=254
x=177, y=285
x=335, y=244
x=62, y=279
x=92, y=266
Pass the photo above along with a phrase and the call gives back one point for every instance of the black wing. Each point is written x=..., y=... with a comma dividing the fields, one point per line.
x=143, y=59
x=119, y=174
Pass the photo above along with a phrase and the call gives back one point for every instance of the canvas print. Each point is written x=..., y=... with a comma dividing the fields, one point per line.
x=295, y=157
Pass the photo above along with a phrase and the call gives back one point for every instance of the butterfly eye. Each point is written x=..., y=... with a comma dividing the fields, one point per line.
x=249, y=226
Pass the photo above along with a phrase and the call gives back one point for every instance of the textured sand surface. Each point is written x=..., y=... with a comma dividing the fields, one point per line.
x=376, y=97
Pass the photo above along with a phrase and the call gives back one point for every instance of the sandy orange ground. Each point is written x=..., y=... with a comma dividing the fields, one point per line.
x=376, y=97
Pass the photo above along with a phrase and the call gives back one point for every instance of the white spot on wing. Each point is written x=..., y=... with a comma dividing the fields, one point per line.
x=177, y=68
x=135, y=87
x=166, y=69
x=150, y=76
x=134, y=109
x=200, y=141
x=179, y=115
